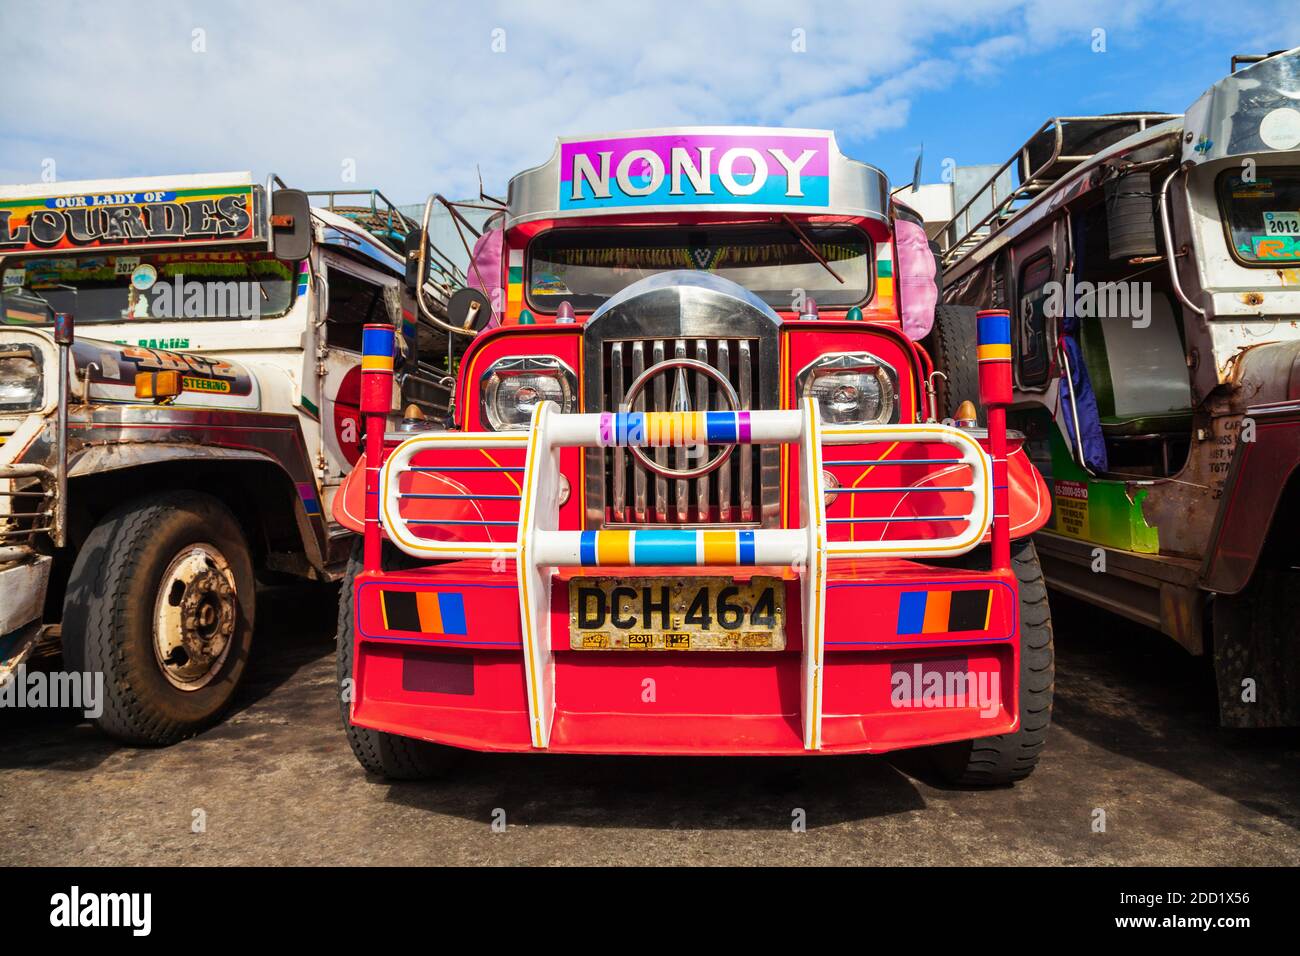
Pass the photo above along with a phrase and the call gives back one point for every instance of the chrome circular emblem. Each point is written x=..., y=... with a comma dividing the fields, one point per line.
x=194, y=616
x=680, y=402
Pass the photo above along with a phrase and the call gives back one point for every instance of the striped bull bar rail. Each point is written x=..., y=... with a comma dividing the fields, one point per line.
x=540, y=546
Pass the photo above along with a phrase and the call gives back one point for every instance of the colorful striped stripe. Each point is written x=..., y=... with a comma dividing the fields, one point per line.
x=310, y=503
x=674, y=428
x=377, y=349
x=666, y=546
x=994, y=352
x=884, y=277
x=944, y=612
x=424, y=612
x=515, y=284
x=304, y=273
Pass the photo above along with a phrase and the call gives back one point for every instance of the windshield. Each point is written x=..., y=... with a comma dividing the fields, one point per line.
x=587, y=267
x=156, y=286
x=1262, y=215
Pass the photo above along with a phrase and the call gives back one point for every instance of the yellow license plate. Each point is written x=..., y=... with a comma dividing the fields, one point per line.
x=676, y=614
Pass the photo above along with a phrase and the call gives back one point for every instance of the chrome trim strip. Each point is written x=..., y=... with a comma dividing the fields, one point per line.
x=746, y=376
x=639, y=478
x=657, y=354
x=723, y=364
x=617, y=391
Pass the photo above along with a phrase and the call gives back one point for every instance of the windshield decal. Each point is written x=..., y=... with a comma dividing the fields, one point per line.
x=211, y=214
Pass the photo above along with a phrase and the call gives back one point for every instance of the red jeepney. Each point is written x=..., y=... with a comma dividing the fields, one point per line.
x=692, y=497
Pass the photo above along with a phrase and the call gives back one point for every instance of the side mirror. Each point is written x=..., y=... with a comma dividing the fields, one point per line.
x=290, y=224
x=467, y=309
x=23, y=308
x=414, y=240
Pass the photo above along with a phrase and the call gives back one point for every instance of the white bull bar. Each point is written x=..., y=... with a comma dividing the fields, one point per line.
x=540, y=546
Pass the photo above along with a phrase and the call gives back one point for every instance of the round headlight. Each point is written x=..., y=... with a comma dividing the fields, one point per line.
x=512, y=388
x=851, y=388
x=20, y=378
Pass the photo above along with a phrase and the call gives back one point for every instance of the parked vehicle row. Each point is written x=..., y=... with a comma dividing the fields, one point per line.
x=1152, y=263
x=705, y=450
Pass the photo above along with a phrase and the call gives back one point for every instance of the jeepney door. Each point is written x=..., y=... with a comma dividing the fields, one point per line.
x=1034, y=329
x=356, y=295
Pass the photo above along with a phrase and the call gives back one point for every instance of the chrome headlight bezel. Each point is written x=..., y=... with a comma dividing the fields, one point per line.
x=844, y=365
x=500, y=372
x=21, y=352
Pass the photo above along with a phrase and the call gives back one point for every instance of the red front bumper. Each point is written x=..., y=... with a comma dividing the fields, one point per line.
x=895, y=643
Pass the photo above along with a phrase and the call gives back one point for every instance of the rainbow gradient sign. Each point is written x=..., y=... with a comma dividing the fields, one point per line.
x=705, y=169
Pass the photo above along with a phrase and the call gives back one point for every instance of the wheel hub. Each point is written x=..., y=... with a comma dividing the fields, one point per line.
x=195, y=615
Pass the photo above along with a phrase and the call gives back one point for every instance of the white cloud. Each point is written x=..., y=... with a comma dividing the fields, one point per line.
x=415, y=95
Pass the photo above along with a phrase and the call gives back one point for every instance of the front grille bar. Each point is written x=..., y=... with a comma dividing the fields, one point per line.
x=746, y=394
x=620, y=454
x=639, y=478
x=725, y=495
x=724, y=473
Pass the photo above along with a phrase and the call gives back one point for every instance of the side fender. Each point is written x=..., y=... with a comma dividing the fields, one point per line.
x=349, y=508
x=1264, y=472
x=1031, y=502
x=462, y=514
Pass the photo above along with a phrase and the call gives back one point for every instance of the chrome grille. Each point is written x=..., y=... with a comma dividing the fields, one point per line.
x=725, y=496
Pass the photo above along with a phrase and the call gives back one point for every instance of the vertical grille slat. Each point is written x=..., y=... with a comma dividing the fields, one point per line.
x=702, y=404
x=638, y=473
x=618, y=389
x=746, y=375
x=661, y=454
x=723, y=364
x=681, y=454
x=726, y=495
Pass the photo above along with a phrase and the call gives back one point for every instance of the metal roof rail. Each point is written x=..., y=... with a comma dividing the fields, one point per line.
x=375, y=213
x=1057, y=147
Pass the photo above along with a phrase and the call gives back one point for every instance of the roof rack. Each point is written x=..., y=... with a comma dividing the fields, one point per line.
x=376, y=213
x=1059, y=146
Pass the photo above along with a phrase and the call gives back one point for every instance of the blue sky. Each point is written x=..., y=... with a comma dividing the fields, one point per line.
x=411, y=97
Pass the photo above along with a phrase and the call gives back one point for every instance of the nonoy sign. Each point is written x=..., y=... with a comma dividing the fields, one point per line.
x=696, y=169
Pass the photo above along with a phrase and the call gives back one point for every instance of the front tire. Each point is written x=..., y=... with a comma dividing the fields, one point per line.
x=952, y=344
x=161, y=602
x=390, y=756
x=1006, y=758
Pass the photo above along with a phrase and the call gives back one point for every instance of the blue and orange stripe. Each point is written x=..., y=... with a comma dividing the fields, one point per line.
x=994, y=337
x=424, y=612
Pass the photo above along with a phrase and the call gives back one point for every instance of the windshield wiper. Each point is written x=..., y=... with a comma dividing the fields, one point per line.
x=807, y=244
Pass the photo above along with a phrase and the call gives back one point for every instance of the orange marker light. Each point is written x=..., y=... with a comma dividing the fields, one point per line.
x=157, y=385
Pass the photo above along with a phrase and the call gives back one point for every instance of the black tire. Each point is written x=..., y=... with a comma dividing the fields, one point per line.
x=1254, y=637
x=952, y=344
x=112, y=602
x=1006, y=758
x=390, y=756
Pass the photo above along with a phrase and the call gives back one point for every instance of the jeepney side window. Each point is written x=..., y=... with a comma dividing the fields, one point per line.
x=1030, y=333
x=1261, y=215
x=352, y=303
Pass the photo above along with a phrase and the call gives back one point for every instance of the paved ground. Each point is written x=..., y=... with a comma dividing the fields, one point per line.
x=1134, y=735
